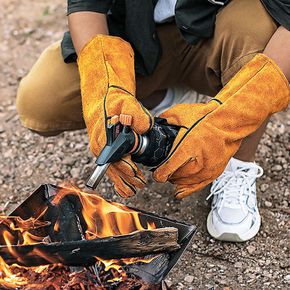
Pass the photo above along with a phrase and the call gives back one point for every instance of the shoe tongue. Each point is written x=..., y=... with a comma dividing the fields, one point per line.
x=236, y=164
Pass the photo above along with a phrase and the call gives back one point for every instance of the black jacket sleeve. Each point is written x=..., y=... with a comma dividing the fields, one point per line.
x=279, y=10
x=101, y=6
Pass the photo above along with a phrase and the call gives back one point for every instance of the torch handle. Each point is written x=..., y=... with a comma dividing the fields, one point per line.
x=150, y=149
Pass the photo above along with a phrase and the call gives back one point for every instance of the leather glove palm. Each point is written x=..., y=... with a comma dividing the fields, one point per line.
x=106, y=66
x=211, y=134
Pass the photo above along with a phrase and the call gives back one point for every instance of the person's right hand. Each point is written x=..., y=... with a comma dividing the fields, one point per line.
x=106, y=66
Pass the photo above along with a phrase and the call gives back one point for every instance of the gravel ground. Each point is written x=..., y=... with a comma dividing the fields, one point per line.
x=27, y=160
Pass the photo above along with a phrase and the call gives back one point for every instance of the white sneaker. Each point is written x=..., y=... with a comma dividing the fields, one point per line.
x=234, y=215
x=176, y=96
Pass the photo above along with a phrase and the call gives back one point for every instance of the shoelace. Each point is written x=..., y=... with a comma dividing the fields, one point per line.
x=234, y=186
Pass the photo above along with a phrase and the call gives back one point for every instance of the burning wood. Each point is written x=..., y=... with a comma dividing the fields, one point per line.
x=139, y=243
x=73, y=228
x=56, y=277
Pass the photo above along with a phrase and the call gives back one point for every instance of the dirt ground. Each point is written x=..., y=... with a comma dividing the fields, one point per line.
x=27, y=160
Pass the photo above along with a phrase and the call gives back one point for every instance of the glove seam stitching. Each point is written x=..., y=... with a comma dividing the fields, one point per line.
x=129, y=185
x=120, y=88
x=135, y=172
x=183, y=137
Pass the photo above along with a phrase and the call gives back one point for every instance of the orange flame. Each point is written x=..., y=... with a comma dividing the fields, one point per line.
x=102, y=219
x=8, y=279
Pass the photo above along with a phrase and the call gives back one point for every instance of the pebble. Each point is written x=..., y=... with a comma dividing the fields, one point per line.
x=189, y=278
x=223, y=282
x=264, y=187
x=75, y=172
x=169, y=283
x=29, y=172
x=251, y=249
x=277, y=167
x=268, y=203
x=281, y=129
x=68, y=160
x=238, y=265
x=267, y=274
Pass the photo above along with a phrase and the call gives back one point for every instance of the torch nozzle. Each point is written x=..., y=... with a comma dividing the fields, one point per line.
x=97, y=176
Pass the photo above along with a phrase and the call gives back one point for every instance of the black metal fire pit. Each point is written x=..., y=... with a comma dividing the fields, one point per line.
x=77, y=252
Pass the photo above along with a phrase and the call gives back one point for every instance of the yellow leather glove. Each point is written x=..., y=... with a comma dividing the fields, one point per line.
x=106, y=67
x=212, y=133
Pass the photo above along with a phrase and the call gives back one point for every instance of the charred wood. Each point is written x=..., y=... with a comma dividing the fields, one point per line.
x=80, y=253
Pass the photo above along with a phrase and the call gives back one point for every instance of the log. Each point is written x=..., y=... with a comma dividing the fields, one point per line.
x=82, y=253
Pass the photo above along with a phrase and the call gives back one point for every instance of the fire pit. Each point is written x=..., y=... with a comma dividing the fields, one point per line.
x=62, y=238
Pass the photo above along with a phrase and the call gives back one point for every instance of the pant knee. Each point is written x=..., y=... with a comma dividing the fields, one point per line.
x=244, y=29
x=37, y=109
x=48, y=98
x=28, y=105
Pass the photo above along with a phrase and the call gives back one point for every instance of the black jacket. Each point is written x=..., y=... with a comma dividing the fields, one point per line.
x=133, y=20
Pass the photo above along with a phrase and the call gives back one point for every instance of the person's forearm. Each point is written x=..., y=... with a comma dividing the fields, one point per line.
x=278, y=49
x=84, y=26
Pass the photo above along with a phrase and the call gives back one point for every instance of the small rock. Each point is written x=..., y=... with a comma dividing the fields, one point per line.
x=281, y=129
x=29, y=172
x=268, y=203
x=75, y=172
x=223, y=282
x=238, y=265
x=189, y=278
x=264, y=187
x=277, y=167
x=68, y=160
x=251, y=249
x=169, y=283
x=267, y=274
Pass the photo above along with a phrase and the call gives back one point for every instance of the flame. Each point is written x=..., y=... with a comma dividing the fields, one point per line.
x=101, y=218
x=117, y=266
x=8, y=279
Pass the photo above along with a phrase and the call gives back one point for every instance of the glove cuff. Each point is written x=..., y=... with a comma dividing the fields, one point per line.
x=110, y=60
x=262, y=72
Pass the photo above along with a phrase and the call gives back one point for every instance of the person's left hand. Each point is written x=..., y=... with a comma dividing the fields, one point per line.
x=212, y=133
x=198, y=154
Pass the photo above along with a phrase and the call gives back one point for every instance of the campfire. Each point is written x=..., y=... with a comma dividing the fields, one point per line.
x=63, y=238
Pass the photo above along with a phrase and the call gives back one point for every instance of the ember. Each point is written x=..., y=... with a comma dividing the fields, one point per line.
x=56, y=277
x=82, y=230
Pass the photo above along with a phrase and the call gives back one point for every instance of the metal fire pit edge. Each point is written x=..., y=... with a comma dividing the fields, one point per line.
x=36, y=202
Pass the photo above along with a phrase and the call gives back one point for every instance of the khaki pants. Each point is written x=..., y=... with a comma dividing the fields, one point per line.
x=49, y=98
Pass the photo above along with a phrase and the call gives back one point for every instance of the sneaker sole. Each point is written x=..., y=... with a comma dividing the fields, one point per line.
x=233, y=237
